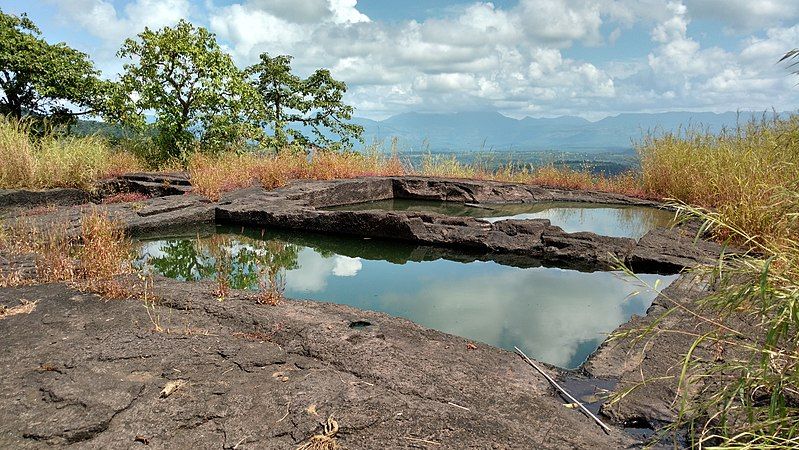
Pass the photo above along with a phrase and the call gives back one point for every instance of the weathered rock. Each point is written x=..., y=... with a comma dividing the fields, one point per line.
x=474, y=191
x=145, y=183
x=82, y=371
x=10, y=198
x=670, y=250
x=604, y=251
x=290, y=208
x=136, y=218
x=650, y=368
x=517, y=236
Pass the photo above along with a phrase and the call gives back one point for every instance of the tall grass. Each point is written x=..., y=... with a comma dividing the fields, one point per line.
x=738, y=387
x=55, y=160
x=744, y=184
x=104, y=253
x=90, y=262
x=742, y=173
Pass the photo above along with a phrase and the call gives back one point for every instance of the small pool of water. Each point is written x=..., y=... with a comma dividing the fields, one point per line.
x=606, y=220
x=558, y=316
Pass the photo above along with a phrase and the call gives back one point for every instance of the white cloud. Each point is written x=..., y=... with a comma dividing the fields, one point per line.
x=111, y=25
x=345, y=266
x=561, y=21
x=548, y=312
x=746, y=15
x=682, y=73
x=346, y=11
x=306, y=11
x=102, y=19
x=479, y=57
x=314, y=271
x=515, y=59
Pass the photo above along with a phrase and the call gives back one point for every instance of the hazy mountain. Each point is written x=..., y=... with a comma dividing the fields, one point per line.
x=474, y=131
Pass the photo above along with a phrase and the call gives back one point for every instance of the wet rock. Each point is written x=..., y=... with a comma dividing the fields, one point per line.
x=605, y=252
x=517, y=236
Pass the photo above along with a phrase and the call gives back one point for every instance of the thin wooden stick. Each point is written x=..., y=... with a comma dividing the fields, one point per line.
x=458, y=406
x=582, y=407
x=422, y=440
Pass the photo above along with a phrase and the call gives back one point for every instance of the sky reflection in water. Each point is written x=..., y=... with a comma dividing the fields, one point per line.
x=557, y=316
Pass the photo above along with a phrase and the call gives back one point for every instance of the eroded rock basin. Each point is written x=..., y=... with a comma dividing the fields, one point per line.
x=85, y=372
x=559, y=316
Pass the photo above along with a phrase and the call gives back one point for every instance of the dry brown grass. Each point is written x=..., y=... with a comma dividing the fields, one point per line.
x=13, y=278
x=326, y=440
x=90, y=262
x=214, y=175
x=272, y=286
x=105, y=254
x=52, y=248
x=25, y=307
x=55, y=160
x=125, y=197
x=747, y=175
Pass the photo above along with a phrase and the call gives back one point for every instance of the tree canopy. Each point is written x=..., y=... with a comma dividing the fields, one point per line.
x=292, y=106
x=180, y=75
x=42, y=79
x=193, y=87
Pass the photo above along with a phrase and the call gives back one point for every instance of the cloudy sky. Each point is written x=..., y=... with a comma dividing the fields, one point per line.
x=540, y=58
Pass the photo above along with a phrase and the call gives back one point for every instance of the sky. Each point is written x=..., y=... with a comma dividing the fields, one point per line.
x=539, y=58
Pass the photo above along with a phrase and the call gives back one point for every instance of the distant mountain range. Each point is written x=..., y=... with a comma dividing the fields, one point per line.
x=491, y=131
x=467, y=132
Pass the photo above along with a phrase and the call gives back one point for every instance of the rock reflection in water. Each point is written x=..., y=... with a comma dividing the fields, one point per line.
x=558, y=316
x=607, y=220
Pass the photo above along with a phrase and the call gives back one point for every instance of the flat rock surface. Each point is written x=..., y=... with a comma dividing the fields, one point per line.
x=87, y=372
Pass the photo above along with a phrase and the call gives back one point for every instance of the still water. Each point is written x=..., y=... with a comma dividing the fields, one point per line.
x=606, y=220
x=556, y=315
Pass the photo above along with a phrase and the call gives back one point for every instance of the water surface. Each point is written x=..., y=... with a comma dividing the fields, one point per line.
x=606, y=220
x=556, y=315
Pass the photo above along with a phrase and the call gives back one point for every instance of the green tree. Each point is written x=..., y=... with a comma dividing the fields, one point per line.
x=198, y=259
x=42, y=79
x=198, y=94
x=290, y=105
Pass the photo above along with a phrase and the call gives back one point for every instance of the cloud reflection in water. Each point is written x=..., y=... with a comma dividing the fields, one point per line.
x=557, y=316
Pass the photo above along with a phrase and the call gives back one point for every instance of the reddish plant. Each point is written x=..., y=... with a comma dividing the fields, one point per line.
x=125, y=197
